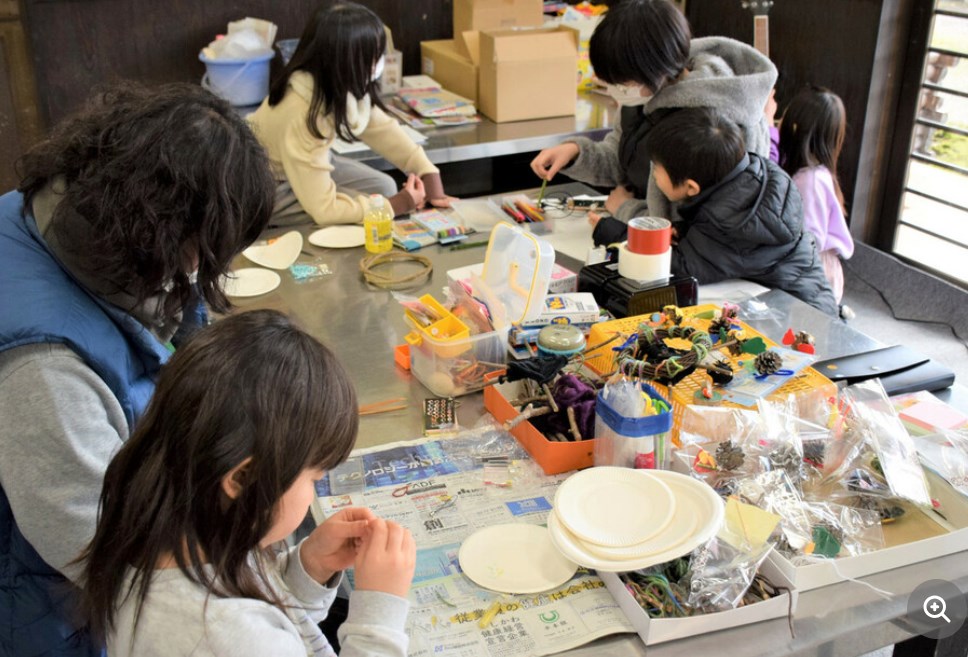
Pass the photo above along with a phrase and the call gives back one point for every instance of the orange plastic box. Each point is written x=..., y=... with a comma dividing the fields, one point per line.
x=552, y=456
x=808, y=385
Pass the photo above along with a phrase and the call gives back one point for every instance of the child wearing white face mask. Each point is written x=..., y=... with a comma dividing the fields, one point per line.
x=328, y=90
x=666, y=71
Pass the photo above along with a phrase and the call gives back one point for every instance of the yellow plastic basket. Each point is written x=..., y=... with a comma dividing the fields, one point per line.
x=602, y=360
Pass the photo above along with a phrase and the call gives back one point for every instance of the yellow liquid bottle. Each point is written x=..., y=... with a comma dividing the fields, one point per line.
x=378, y=225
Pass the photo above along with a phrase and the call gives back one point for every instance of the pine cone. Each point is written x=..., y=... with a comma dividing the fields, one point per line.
x=719, y=324
x=729, y=456
x=768, y=362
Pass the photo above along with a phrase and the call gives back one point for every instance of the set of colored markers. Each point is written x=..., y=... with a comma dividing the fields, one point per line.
x=521, y=211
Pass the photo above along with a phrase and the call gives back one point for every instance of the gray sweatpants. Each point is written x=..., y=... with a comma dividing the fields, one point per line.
x=351, y=177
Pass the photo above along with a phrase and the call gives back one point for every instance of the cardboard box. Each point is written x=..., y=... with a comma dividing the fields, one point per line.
x=571, y=308
x=527, y=74
x=553, y=457
x=496, y=14
x=455, y=72
x=660, y=630
x=916, y=536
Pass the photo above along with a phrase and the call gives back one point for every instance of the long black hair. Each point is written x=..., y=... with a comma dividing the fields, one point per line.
x=159, y=181
x=642, y=41
x=249, y=386
x=812, y=133
x=339, y=47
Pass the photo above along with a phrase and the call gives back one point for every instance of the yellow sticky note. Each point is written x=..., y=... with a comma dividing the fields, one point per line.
x=747, y=524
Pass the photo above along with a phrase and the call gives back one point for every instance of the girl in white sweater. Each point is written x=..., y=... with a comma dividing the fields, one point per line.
x=186, y=557
x=329, y=89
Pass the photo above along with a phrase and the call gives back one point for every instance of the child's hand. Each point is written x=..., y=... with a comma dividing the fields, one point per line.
x=443, y=201
x=552, y=160
x=414, y=187
x=617, y=197
x=594, y=218
x=386, y=559
x=332, y=546
x=675, y=236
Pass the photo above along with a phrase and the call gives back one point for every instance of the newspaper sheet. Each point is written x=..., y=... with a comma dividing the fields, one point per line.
x=437, y=489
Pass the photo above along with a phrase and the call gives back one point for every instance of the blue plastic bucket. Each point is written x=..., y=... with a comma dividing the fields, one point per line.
x=239, y=81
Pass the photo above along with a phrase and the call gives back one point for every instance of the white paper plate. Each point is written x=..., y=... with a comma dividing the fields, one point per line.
x=338, y=237
x=692, y=507
x=708, y=507
x=614, y=507
x=514, y=558
x=277, y=253
x=250, y=282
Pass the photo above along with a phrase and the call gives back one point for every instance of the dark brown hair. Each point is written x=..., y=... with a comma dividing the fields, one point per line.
x=696, y=143
x=339, y=47
x=159, y=180
x=643, y=41
x=812, y=133
x=250, y=386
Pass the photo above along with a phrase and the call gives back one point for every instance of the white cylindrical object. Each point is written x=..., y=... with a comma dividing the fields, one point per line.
x=642, y=267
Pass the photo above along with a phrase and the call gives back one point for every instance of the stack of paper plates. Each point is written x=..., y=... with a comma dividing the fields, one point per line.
x=618, y=519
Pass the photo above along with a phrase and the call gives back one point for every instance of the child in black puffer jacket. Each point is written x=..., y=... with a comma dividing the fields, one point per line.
x=740, y=214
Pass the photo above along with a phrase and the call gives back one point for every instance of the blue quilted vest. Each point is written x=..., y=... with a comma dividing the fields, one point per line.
x=41, y=303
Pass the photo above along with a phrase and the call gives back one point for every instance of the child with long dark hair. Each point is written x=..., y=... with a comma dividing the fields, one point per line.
x=329, y=90
x=811, y=138
x=185, y=559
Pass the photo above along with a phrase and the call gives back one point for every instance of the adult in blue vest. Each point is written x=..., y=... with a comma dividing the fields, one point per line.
x=124, y=222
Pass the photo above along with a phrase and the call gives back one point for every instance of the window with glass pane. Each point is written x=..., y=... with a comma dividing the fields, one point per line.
x=933, y=223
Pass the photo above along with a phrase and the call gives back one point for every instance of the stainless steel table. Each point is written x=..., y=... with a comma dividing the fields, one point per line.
x=363, y=325
x=594, y=117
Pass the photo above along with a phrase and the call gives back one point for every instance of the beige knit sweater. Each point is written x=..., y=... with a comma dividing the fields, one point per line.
x=305, y=161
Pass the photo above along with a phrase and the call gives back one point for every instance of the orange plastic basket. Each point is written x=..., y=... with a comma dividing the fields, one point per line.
x=602, y=360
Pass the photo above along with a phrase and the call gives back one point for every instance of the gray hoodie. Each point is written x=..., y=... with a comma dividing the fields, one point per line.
x=724, y=74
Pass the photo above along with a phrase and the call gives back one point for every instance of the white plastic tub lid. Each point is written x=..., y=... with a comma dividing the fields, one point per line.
x=517, y=269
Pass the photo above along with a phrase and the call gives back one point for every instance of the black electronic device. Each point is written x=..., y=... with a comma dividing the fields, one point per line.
x=624, y=297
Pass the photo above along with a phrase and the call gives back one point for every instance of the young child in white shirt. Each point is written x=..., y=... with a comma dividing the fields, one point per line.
x=221, y=469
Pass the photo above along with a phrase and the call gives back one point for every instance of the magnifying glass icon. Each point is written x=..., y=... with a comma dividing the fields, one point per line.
x=935, y=607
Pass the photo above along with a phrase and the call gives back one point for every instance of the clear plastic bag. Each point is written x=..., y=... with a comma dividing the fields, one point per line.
x=947, y=454
x=872, y=415
x=720, y=574
x=719, y=445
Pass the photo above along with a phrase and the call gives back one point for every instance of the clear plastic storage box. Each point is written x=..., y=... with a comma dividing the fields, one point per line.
x=514, y=282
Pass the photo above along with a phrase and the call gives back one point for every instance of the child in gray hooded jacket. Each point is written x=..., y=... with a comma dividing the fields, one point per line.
x=643, y=50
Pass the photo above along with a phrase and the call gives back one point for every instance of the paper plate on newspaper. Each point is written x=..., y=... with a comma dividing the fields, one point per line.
x=338, y=237
x=276, y=253
x=614, y=507
x=514, y=558
x=250, y=282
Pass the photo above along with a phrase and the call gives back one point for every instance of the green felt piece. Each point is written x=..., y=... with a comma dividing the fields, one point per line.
x=824, y=543
x=754, y=346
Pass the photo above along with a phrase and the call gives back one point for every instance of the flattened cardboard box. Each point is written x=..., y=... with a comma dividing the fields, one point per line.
x=527, y=74
x=496, y=14
x=442, y=61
